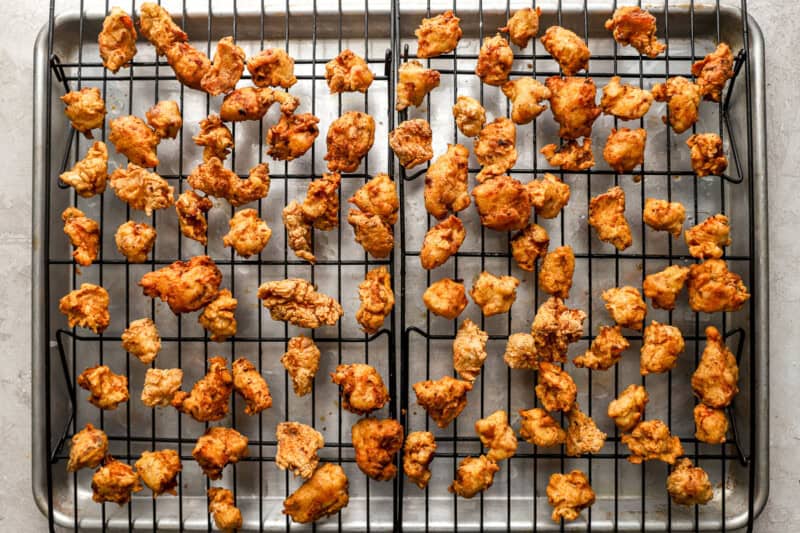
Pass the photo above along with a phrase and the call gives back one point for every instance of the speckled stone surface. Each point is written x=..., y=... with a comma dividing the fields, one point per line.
x=23, y=19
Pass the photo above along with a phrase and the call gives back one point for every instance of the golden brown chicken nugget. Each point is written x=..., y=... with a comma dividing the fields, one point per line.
x=661, y=347
x=298, y=231
x=376, y=442
x=605, y=351
x=292, y=136
x=209, y=399
x=469, y=350
x=85, y=110
x=165, y=118
x=582, y=433
x=226, y=70
x=141, y=339
x=88, y=176
x=159, y=470
x=377, y=299
x=624, y=101
x=626, y=306
x=711, y=424
x=117, y=40
x=192, y=209
x=689, y=485
x=185, y=286
x=217, y=448
x=470, y=115
x=570, y=155
x=715, y=381
x=548, y=195
x=663, y=287
x=662, y=215
x=252, y=103
x=349, y=139
x=554, y=328
x=569, y=50
x=251, y=385
x=326, y=493
x=418, y=452
x=555, y=389
x=521, y=351
x=297, y=448
x=106, y=389
x=86, y=307
x=296, y=301
x=221, y=505
x=134, y=139
x=135, y=240
x=526, y=95
x=607, y=217
x=522, y=26
x=494, y=60
x=218, y=317
x=442, y=399
x=372, y=233
x=215, y=138
x=348, y=72
x=160, y=386
x=683, y=100
x=529, y=245
x=115, y=482
x=627, y=409
x=446, y=298
x=83, y=233
x=572, y=102
x=189, y=64
x=248, y=233
x=378, y=197
x=272, y=67
x=650, y=440
x=495, y=148
x=441, y=241
x=540, y=429
x=707, y=154
x=473, y=475
x=89, y=447
x=301, y=361
x=142, y=189
x=555, y=275
x=713, y=71
x=632, y=25
x=157, y=26
x=624, y=149
x=494, y=294
x=497, y=435
x=411, y=142
x=569, y=494
x=362, y=388
x=713, y=288
x=438, y=35
x=215, y=180
x=413, y=83
x=503, y=203
x=446, y=182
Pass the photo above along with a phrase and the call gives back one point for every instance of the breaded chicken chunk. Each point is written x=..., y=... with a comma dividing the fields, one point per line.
x=117, y=40
x=189, y=64
x=473, y=475
x=683, y=100
x=441, y=241
x=362, y=388
x=272, y=67
x=159, y=470
x=689, y=485
x=662, y=215
x=715, y=381
x=142, y=189
x=555, y=275
x=650, y=440
x=378, y=197
x=582, y=433
x=503, y=203
x=222, y=506
x=372, y=233
x=570, y=155
x=301, y=361
x=297, y=448
x=711, y=424
x=446, y=298
x=469, y=350
x=521, y=351
x=446, y=182
x=135, y=240
x=529, y=245
x=632, y=25
x=413, y=83
x=87, y=307
x=226, y=70
x=627, y=410
x=298, y=231
x=251, y=385
x=209, y=399
x=540, y=429
x=160, y=386
x=115, y=482
x=526, y=95
x=418, y=453
x=438, y=35
x=321, y=204
x=377, y=299
x=348, y=72
x=89, y=448
x=106, y=389
x=569, y=494
x=661, y=347
x=88, y=176
x=165, y=119
x=554, y=328
x=713, y=71
x=296, y=301
x=411, y=142
x=376, y=442
x=494, y=61
x=556, y=389
x=494, y=294
x=624, y=101
x=85, y=110
x=134, y=139
x=83, y=233
x=349, y=139
x=292, y=136
x=572, y=102
x=192, y=209
x=248, y=233
x=470, y=115
x=495, y=148
x=713, y=288
x=185, y=286
x=217, y=448
x=157, y=26
x=663, y=287
x=324, y=494
x=707, y=154
x=605, y=351
x=497, y=435
x=252, y=103
x=548, y=195
x=626, y=306
x=569, y=50
x=624, y=149
x=522, y=26
x=607, y=217
x=215, y=180
x=215, y=138
x=443, y=399
x=141, y=339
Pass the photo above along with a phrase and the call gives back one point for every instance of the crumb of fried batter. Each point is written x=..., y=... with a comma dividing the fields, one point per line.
x=324, y=494
x=711, y=424
x=494, y=294
x=707, y=154
x=376, y=442
x=192, y=209
x=134, y=139
x=298, y=231
x=442, y=399
x=251, y=385
x=446, y=298
x=497, y=435
x=689, y=485
x=494, y=60
x=569, y=494
x=212, y=178
x=503, y=203
x=632, y=25
x=159, y=470
x=301, y=361
x=349, y=139
x=715, y=381
x=540, y=429
x=522, y=26
x=134, y=240
x=521, y=351
x=418, y=452
x=362, y=388
x=663, y=287
x=441, y=241
x=569, y=50
x=185, y=286
x=446, y=182
x=297, y=301
x=548, y=195
x=106, y=389
x=248, y=233
x=554, y=328
x=713, y=71
x=86, y=307
x=473, y=475
x=470, y=115
x=218, y=316
x=572, y=102
x=85, y=110
x=89, y=447
x=526, y=95
x=83, y=233
x=221, y=505
x=469, y=350
x=627, y=409
x=292, y=136
x=605, y=351
x=411, y=142
x=215, y=138
x=218, y=447
x=650, y=440
x=160, y=386
x=570, y=155
x=555, y=389
x=555, y=274
x=438, y=35
x=297, y=448
x=624, y=101
x=115, y=482
x=272, y=67
x=208, y=401
x=372, y=233
x=683, y=100
x=662, y=215
x=252, y=103
x=377, y=299
x=626, y=306
x=495, y=148
x=582, y=433
x=607, y=217
x=116, y=42
x=624, y=149
x=661, y=347
x=165, y=118
x=88, y=176
x=141, y=339
x=713, y=288
x=157, y=26
x=529, y=245
x=348, y=72
x=142, y=189
x=226, y=70
x=414, y=82
x=378, y=197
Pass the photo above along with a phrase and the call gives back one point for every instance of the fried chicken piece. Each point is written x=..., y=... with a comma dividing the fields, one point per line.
x=711, y=424
x=712, y=288
x=165, y=119
x=190, y=65
x=378, y=197
x=85, y=110
x=298, y=232
x=215, y=138
x=251, y=385
x=217, y=448
x=208, y=400
x=625, y=101
x=226, y=70
x=662, y=215
x=569, y=50
x=572, y=102
x=134, y=240
x=115, y=482
x=89, y=447
x=83, y=233
x=371, y=232
x=157, y=26
x=714, y=381
x=134, y=139
x=582, y=433
x=624, y=149
x=473, y=475
x=321, y=204
x=418, y=453
x=86, y=307
x=349, y=139
x=627, y=410
x=377, y=299
x=469, y=350
x=570, y=155
x=301, y=361
x=442, y=399
x=708, y=156
x=556, y=389
x=569, y=494
x=540, y=429
x=411, y=142
x=292, y=136
x=605, y=351
x=348, y=72
x=160, y=386
x=88, y=176
x=218, y=317
x=297, y=448
x=446, y=298
x=324, y=494
x=117, y=40
x=497, y=435
x=376, y=442
x=215, y=180
x=713, y=71
x=414, y=82
x=495, y=148
x=607, y=217
x=493, y=294
x=651, y=439
x=521, y=351
x=663, y=287
x=555, y=275
x=222, y=506
x=529, y=245
x=548, y=195
x=252, y=103
x=470, y=116
x=526, y=95
x=192, y=209
x=185, y=286
x=441, y=241
x=141, y=339
x=632, y=25
x=142, y=189
x=296, y=301
x=446, y=182
x=106, y=389
x=272, y=67
x=689, y=485
x=494, y=61
x=522, y=26
x=683, y=100
x=626, y=306
x=661, y=347
x=248, y=234
x=438, y=35
x=503, y=203
x=554, y=327
x=361, y=387
x=159, y=470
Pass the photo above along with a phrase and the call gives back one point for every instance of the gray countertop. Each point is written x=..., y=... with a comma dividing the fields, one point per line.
x=22, y=21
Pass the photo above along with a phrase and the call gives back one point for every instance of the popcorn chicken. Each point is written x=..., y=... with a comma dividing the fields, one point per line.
x=248, y=234
x=626, y=306
x=251, y=385
x=89, y=448
x=651, y=439
x=689, y=485
x=526, y=95
x=115, y=482
x=117, y=40
x=548, y=195
x=321, y=204
x=661, y=347
x=362, y=388
x=438, y=35
x=298, y=231
x=296, y=301
x=159, y=470
x=142, y=189
x=503, y=203
x=713, y=71
x=301, y=361
x=324, y=494
x=134, y=240
x=624, y=149
x=377, y=299
x=165, y=119
x=376, y=442
x=378, y=197
x=522, y=26
x=493, y=294
x=85, y=110
x=662, y=215
x=707, y=154
x=556, y=389
x=554, y=328
x=469, y=350
x=252, y=103
x=713, y=288
x=411, y=142
x=217, y=448
x=297, y=448
x=218, y=316
x=473, y=475
x=349, y=139
x=627, y=410
x=714, y=381
x=189, y=64
x=569, y=50
x=446, y=182
x=555, y=276
x=221, y=505
x=446, y=298
x=157, y=26
x=624, y=101
x=683, y=100
x=226, y=70
x=215, y=138
x=210, y=396
x=83, y=233
x=418, y=453
x=607, y=217
x=160, y=386
x=570, y=155
x=605, y=350
x=87, y=307
x=88, y=176
x=141, y=339
x=371, y=232
x=572, y=102
x=215, y=180
x=711, y=424
x=292, y=136
x=272, y=67
x=441, y=241
x=582, y=433
x=185, y=286
x=521, y=351
x=495, y=148
x=540, y=429
x=497, y=435
x=470, y=115
x=192, y=209
x=135, y=140
x=494, y=60
x=663, y=287
x=529, y=245
x=569, y=494
x=414, y=82
x=106, y=389
x=632, y=25
x=348, y=72
x=443, y=399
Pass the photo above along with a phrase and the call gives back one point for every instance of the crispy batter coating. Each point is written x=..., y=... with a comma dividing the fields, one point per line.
x=494, y=61
x=165, y=118
x=715, y=381
x=215, y=180
x=554, y=327
x=569, y=494
x=555, y=275
x=377, y=299
x=414, y=82
x=711, y=424
x=438, y=35
x=135, y=240
x=469, y=350
x=185, y=286
x=349, y=139
x=226, y=70
x=663, y=287
x=418, y=453
x=378, y=197
x=190, y=65
x=521, y=351
x=548, y=195
x=626, y=306
x=570, y=155
x=160, y=386
x=301, y=361
x=572, y=102
x=707, y=154
x=569, y=50
x=473, y=475
x=446, y=182
x=522, y=26
x=296, y=301
x=441, y=241
x=607, y=217
x=526, y=95
x=324, y=494
x=134, y=139
x=605, y=351
x=493, y=294
x=555, y=389
x=503, y=203
x=683, y=100
x=210, y=396
x=297, y=448
x=348, y=72
x=540, y=429
x=627, y=410
x=252, y=103
x=446, y=298
x=624, y=149
x=582, y=433
x=495, y=148
x=272, y=67
x=661, y=347
x=443, y=399
x=712, y=287
x=117, y=40
x=470, y=115
x=218, y=447
x=89, y=447
x=662, y=215
x=248, y=234
x=85, y=110
x=88, y=176
x=529, y=245
x=689, y=485
x=141, y=339
x=115, y=482
x=192, y=209
x=157, y=26
x=713, y=71
x=361, y=387
x=625, y=101
x=106, y=389
x=86, y=307
x=376, y=442
x=321, y=204
x=222, y=506
x=142, y=189
x=298, y=231
x=632, y=25
x=651, y=439
x=292, y=136
x=411, y=142
x=83, y=233
x=497, y=435
x=215, y=138
x=371, y=232
x=251, y=385
x=159, y=470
